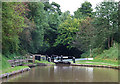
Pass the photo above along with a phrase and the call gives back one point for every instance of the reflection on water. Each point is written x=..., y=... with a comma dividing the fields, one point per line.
x=67, y=74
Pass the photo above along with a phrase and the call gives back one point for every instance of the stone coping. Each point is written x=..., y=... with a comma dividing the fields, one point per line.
x=89, y=65
x=13, y=73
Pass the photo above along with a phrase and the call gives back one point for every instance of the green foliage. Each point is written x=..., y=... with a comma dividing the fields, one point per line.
x=111, y=53
x=56, y=7
x=106, y=23
x=95, y=52
x=12, y=23
x=51, y=31
x=84, y=39
x=52, y=8
x=38, y=15
x=5, y=63
x=78, y=14
x=53, y=12
x=44, y=28
x=64, y=16
x=67, y=31
x=84, y=10
x=106, y=26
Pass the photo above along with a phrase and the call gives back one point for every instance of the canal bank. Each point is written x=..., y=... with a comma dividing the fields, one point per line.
x=107, y=63
x=102, y=66
x=84, y=63
x=6, y=75
x=66, y=74
x=28, y=70
x=23, y=68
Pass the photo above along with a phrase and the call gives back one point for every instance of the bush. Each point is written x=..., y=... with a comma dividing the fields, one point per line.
x=111, y=53
x=5, y=63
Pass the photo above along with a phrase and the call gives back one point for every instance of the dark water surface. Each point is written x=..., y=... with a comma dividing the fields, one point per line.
x=66, y=74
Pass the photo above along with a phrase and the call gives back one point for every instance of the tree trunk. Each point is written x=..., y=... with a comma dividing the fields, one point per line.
x=112, y=41
x=108, y=42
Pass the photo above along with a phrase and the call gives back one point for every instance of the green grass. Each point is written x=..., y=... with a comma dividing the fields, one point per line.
x=98, y=62
x=44, y=61
x=102, y=57
x=5, y=63
x=14, y=69
x=6, y=68
x=111, y=53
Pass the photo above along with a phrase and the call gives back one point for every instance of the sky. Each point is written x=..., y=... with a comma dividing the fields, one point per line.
x=73, y=5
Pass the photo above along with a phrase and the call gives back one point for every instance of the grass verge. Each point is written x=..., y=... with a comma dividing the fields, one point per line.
x=105, y=62
x=12, y=69
x=6, y=68
x=108, y=57
x=44, y=61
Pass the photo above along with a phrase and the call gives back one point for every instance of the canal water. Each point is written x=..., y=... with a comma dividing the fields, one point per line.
x=66, y=74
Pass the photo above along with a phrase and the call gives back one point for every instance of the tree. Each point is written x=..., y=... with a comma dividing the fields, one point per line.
x=26, y=37
x=38, y=15
x=51, y=31
x=12, y=25
x=84, y=40
x=67, y=31
x=53, y=12
x=52, y=8
x=56, y=8
x=84, y=10
x=64, y=16
x=106, y=23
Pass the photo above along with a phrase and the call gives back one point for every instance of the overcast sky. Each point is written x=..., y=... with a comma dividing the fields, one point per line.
x=73, y=5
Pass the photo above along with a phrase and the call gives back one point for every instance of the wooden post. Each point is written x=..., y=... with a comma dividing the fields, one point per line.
x=33, y=58
x=46, y=57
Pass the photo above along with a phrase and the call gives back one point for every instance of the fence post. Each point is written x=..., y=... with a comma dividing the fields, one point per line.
x=33, y=58
x=14, y=62
x=46, y=57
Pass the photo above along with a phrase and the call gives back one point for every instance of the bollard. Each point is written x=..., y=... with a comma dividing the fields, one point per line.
x=61, y=58
x=73, y=59
x=49, y=59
